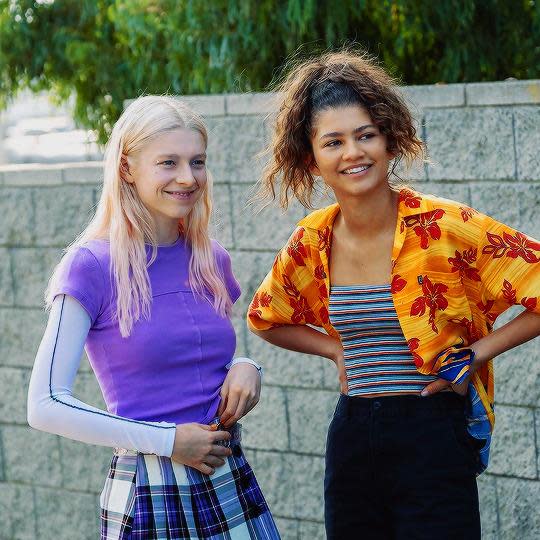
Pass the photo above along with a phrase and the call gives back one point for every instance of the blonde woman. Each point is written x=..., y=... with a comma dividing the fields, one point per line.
x=149, y=295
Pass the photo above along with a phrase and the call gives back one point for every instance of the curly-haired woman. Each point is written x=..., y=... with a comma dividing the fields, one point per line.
x=407, y=287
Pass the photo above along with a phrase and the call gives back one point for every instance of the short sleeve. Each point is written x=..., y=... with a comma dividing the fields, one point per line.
x=286, y=295
x=80, y=276
x=224, y=261
x=509, y=268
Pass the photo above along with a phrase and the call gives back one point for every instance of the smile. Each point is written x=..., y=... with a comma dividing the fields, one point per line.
x=180, y=195
x=358, y=169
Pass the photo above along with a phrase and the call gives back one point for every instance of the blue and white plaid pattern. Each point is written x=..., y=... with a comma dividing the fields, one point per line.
x=152, y=498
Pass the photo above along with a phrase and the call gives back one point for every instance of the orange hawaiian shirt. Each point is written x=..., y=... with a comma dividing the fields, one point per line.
x=454, y=271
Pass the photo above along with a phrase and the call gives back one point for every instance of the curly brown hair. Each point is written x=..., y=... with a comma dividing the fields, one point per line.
x=331, y=80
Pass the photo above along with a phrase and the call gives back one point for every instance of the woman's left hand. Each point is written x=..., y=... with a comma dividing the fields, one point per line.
x=239, y=394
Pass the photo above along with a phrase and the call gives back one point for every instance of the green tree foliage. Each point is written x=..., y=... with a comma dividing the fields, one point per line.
x=105, y=51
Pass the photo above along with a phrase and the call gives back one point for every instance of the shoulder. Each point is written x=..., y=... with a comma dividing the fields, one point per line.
x=220, y=253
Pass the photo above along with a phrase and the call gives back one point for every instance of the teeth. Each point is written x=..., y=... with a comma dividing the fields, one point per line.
x=356, y=169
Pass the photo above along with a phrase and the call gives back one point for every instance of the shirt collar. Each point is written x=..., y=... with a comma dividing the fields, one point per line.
x=410, y=203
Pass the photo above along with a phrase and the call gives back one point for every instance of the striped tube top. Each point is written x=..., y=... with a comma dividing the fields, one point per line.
x=377, y=357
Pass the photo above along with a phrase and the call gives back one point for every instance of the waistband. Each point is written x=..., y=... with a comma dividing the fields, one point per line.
x=441, y=404
x=235, y=440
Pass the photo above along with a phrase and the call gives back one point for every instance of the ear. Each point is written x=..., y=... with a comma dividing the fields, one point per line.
x=125, y=172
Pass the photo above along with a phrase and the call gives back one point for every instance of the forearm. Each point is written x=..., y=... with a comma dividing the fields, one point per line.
x=304, y=339
x=524, y=327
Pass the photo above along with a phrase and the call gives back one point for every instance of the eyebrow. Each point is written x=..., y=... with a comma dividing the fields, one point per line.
x=339, y=133
x=176, y=156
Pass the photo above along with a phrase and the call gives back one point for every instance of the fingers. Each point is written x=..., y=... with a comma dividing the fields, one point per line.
x=233, y=416
x=214, y=461
x=224, y=394
x=434, y=387
x=205, y=469
x=232, y=404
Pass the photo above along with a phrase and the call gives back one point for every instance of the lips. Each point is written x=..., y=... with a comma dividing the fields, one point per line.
x=180, y=195
x=356, y=169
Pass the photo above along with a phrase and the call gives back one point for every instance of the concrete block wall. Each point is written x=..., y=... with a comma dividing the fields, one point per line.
x=482, y=140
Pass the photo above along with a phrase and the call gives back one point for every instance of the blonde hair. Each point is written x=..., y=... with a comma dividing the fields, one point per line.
x=123, y=219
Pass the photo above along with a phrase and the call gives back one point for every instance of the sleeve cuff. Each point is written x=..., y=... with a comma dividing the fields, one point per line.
x=244, y=360
x=454, y=364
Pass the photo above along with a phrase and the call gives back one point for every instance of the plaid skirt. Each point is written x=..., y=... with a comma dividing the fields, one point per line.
x=148, y=497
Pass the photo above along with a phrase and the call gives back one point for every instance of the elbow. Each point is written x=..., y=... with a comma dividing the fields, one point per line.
x=36, y=413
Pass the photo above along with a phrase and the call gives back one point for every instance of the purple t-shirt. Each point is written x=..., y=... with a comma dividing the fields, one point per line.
x=172, y=366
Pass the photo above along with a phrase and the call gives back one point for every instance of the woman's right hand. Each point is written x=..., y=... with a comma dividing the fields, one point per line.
x=195, y=446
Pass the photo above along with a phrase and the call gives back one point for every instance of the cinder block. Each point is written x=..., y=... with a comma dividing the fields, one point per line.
x=487, y=494
x=434, y=96
x=62, y=213
x=65, y=515
x=7, y=293
x=221, y=221
x=268, y=229
x=32, y=269
x=17, y=217
x=34, y=174
x=529, y=202
x=84, y=466
x=83, y=173
x=13, y=392
x=31, y=456
x=310, y=412
x=456, y=192
x=17, y=513
x=86, y=388
x=470, y=144
x=249, y=267
x=513, y=450
x=527, y=140
x=255, y=103
x=233, y=146
x=283, y=367
x=498, y=200
x=502, y=92
x=21, y=334
x=311, y=530
x=265, y=427
x=288, y=528
x=519, y=518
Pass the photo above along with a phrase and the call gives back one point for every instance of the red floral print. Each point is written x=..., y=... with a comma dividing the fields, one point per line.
x=261, y=299
x=409, y=198
x=509, y=292
x=296, y=249
x=517, y=245
x=529, y=303
x=398, y=284
x=467, y=213
x=302, y=312
x=289, y=287
x=324, y=240
x=486, y=309
x=414, y=343
x=425, y=226
x=433, y=299
x=472, y=333
x=462, y=263
x=319, y=272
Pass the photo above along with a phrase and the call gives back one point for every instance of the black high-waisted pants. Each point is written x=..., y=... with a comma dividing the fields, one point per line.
x=401, y=468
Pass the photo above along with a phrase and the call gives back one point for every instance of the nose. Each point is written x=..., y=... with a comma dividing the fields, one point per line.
x=352, y=151
x=185, y=178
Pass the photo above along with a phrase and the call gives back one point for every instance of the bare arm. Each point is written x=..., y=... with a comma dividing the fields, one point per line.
x=304, y=339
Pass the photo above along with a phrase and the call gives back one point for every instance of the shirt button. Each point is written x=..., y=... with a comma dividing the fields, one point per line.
x=376, y=405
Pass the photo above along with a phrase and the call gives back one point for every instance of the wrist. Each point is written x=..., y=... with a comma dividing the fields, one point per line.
x=245, y=360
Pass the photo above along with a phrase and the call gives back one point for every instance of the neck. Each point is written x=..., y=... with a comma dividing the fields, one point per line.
x=369, y=214
x=167, y=232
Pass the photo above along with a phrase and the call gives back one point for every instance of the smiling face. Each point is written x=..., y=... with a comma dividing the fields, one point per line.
x=349, y=151
x=169, y=174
